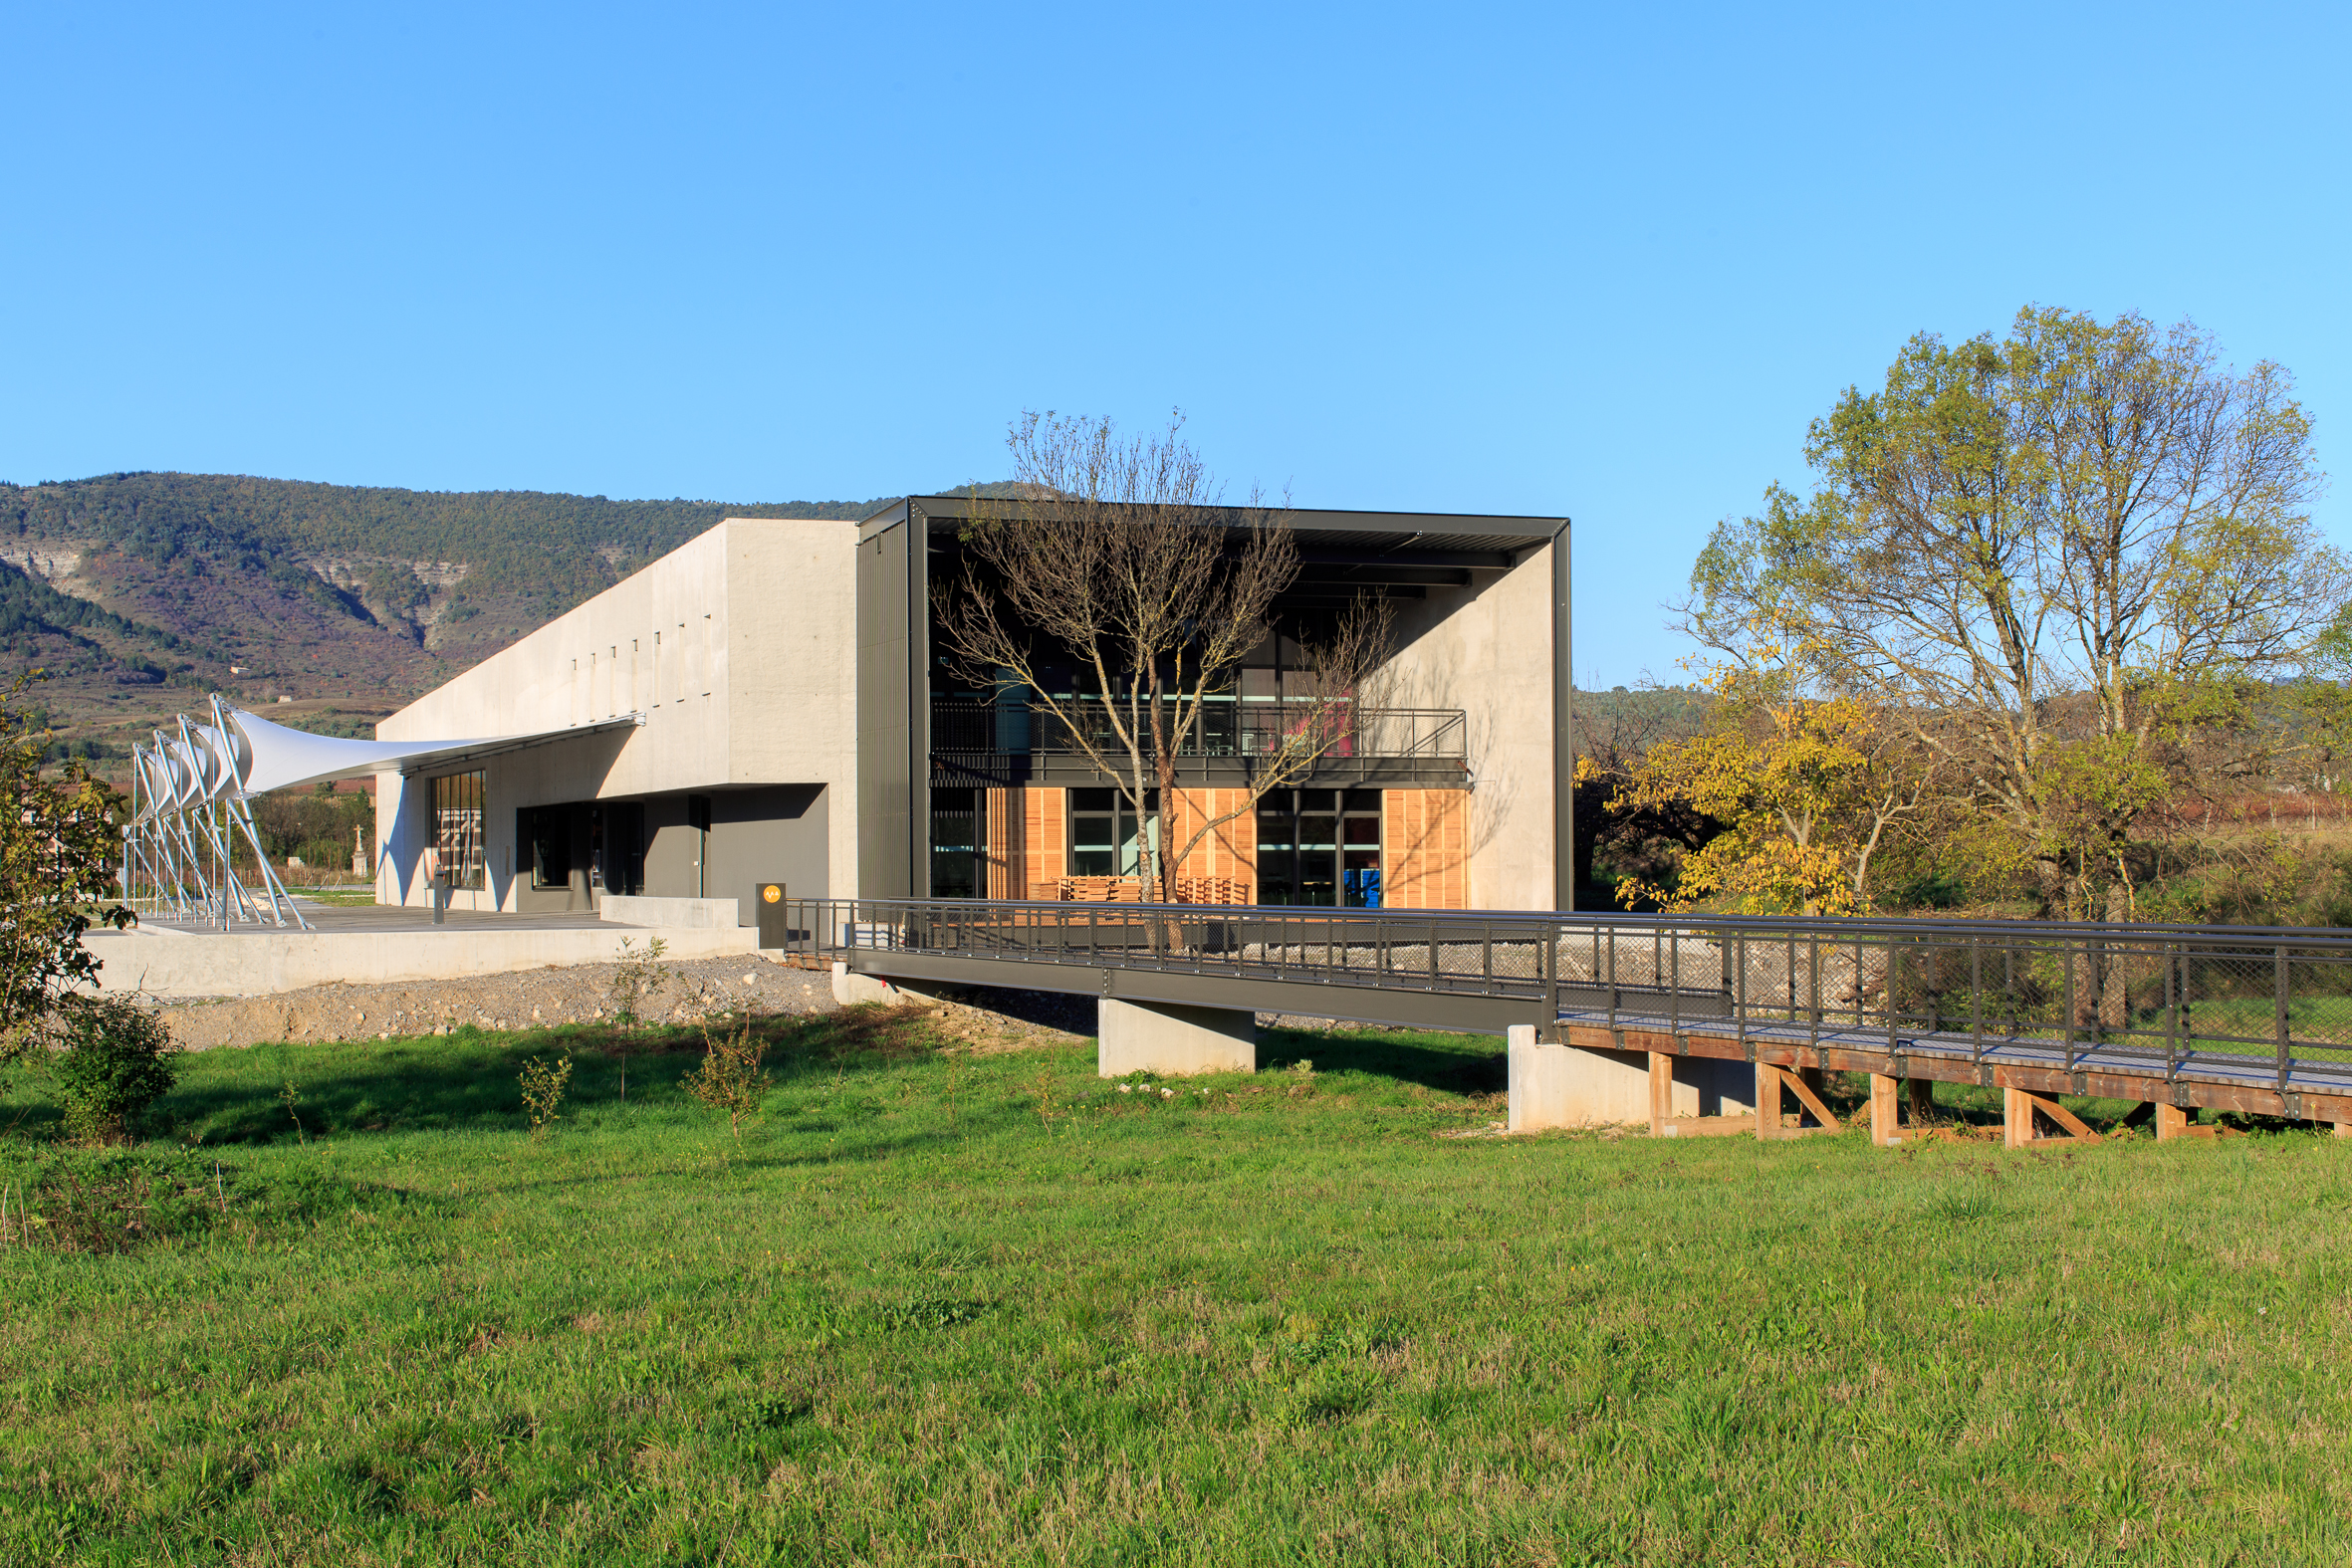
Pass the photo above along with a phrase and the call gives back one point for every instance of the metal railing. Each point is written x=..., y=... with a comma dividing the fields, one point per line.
x=979, y=727
x=2247, y=1002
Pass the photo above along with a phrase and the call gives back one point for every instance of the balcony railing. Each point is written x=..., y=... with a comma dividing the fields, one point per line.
x=1348, y=738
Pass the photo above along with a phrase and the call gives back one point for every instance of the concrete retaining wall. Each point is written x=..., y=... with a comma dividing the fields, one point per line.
x=683, y=914
x=263, y=963
x=851, y=987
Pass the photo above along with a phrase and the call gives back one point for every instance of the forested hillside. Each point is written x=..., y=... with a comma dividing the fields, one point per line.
x=262, y=588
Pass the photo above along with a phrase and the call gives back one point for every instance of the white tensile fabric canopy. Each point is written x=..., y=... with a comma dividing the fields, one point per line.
x=244, y=754
x=278, y=758
x=179, y=849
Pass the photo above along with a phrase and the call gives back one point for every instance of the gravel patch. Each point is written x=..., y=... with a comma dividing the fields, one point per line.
x=980, y=1018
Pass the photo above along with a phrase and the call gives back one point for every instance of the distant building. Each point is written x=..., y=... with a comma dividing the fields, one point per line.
x=768, y=702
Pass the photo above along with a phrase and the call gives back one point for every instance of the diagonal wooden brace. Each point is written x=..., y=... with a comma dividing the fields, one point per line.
x=2017, y=1108
x=1770, y=1081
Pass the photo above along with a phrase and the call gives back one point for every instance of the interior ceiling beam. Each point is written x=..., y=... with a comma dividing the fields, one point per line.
x=1388, y=571
x=1339, y=593
x=1361, y=556
x=1313, y=557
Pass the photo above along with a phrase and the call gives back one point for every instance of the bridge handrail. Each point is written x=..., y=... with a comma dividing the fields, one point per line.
x=2191, y=997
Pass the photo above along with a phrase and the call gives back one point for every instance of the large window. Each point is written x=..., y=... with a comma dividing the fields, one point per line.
x=602, y=843
x=1319, y=847
x=457, y=829
x=1105, y=839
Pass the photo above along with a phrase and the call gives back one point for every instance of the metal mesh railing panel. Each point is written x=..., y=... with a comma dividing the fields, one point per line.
x=2164, y=999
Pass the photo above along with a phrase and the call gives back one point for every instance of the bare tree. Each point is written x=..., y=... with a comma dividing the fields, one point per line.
x=1121, y=552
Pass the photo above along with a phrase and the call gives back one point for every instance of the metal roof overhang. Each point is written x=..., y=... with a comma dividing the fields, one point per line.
x=1354, y=548
x=480, y=750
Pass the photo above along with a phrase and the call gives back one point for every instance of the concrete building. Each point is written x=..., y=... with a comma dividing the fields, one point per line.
x=768, y=702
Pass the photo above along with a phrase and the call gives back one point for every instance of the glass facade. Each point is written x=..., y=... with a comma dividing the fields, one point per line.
x=596, y=845
x=457, y=829
x=1319, y=847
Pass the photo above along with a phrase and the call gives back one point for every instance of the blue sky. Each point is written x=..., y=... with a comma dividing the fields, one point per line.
x=1595, y=262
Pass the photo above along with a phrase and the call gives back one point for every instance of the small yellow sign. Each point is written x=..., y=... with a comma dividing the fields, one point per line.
x=771, y=892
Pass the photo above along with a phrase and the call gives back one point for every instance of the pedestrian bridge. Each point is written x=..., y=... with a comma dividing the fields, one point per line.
x=1695, y=1024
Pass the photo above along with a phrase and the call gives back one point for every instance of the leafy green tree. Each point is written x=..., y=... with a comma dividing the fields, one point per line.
x=59, y=840
x=2081, y=532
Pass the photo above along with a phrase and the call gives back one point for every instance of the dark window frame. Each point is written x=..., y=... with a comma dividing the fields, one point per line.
x=1335, y=862
x=1127, y=830
x=459, y=803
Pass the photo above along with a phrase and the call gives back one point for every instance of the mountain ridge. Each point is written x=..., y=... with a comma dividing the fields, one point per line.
x=264, y=588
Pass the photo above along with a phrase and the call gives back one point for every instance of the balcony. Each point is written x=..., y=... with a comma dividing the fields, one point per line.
x=975, y=740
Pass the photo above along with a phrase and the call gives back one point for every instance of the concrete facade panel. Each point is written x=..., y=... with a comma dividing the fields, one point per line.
x=1487, y=651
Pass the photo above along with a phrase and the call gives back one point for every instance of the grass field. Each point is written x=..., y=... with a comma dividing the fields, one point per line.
x=987, y=1308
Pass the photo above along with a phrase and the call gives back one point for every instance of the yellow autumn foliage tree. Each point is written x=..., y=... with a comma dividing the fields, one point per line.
x=1806, y=789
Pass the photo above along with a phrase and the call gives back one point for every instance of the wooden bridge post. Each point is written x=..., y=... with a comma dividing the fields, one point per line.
x=1661, y=1093
x=1767, y=1100
x=1884, y=1131
x=2172, y=1121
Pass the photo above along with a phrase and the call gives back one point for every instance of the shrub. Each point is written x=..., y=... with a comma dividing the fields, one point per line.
x=543, y=1083
x=118, y=1059
x=730, y=1078
x=638, y=974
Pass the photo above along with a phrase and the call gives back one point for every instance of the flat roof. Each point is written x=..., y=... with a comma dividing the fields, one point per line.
x=1462, y=539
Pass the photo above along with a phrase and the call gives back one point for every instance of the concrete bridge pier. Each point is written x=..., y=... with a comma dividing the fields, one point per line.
x=1172, y=1039
x=1572, y=1086
x=851, y=988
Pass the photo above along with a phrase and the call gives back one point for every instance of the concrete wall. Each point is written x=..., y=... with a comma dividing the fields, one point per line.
x=779, y=835
x=698, y=914
x=734, y=647
x=1170, y=1038
x=1487, y=649
x=792, y=597
x=1553, y=1086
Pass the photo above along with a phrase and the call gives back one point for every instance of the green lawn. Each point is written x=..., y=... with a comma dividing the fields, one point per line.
x=989, y=1310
